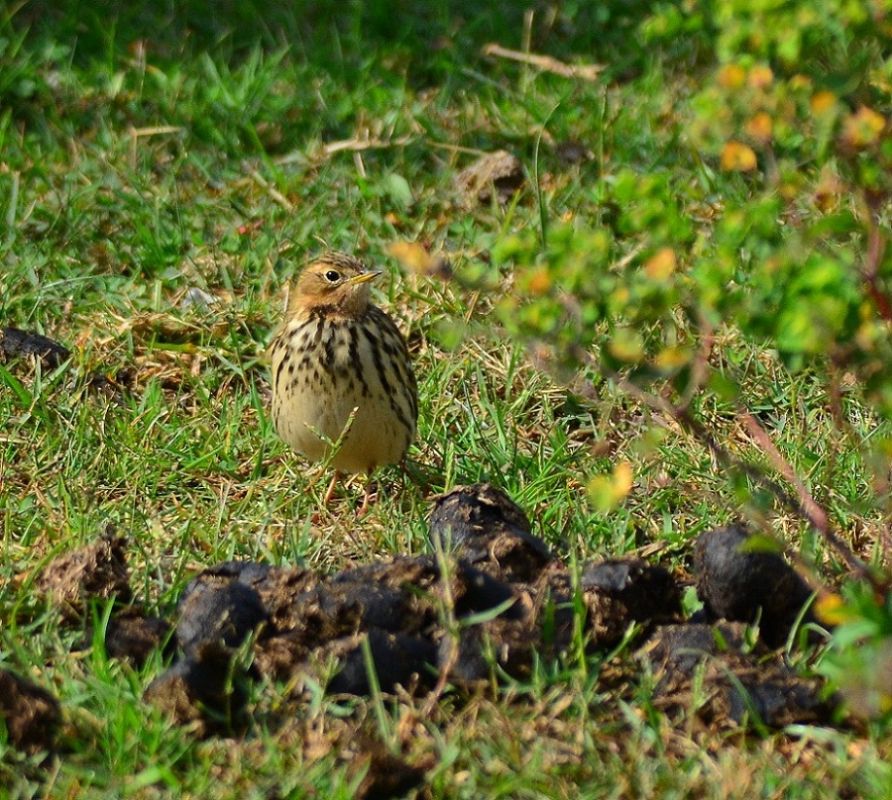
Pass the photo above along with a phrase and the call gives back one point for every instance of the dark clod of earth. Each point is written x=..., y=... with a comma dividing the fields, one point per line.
x=131, y=635
x=571, y=152
x=98, y=571
x=485, y=527
x=734, y=683
x=738, y=579
x=15, y=343
x=26, y=347
x=202, y=689
x=490, y=601
x=386, y=775
x=31, y=714
x=214, y=612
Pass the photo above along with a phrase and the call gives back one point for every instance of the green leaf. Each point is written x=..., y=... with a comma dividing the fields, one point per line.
x=627, y=345
x=724, y=387
x=24, y=397
x=398, y=190
x=607, y=492
x=760, y=543
x=487, y=615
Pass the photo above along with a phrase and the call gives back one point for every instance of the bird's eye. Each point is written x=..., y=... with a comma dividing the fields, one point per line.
x=332, y=276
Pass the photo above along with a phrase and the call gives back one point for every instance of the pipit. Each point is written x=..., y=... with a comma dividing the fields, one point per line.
x=343, y=386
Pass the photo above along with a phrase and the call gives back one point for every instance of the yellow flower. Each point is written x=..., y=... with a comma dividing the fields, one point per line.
x=759, y=127
x=538, y=282
x=606, y=492
x=760, y=77
x=831, y=609
x=863, y=128
x=661, y=264
x=822, y=102
x=738, y=157
x=731, y=76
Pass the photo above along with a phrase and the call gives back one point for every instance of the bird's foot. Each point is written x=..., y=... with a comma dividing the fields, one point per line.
x=369, y=498
x=329, y=492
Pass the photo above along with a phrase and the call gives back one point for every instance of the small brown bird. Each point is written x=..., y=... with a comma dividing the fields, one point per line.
x=342, y=380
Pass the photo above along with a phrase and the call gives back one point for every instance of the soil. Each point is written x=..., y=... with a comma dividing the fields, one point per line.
x=97, y=571
x=204, y=691
x=494, y=175
x=133, y=636
x=493, y=601
x=31, y=714
x=738, y=582
x=710, y=669
x=15, y=343
x=484, y=526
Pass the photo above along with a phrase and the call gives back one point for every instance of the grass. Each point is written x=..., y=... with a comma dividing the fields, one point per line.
x=149, y=150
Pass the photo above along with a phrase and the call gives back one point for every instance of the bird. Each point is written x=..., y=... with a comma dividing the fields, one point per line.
x=343, y=387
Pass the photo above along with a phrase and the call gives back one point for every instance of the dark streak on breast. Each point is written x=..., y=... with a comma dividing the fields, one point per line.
x=355, y=359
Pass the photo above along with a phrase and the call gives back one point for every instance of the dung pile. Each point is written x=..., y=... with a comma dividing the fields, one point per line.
x=488, y=602
x=30, y=713
x=490, y=598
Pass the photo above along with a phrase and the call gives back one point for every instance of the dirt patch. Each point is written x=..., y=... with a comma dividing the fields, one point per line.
x=494, y=175
x=31, y=714
x=619, y=592
x=131, y=635
x=397, y=605
x=18, y=345
x=387, y=775
x=473, y=655
x=492, y=602
x=95, y=572
x=219, y=614
x=489, y=604
x=738, y=580
x=399, y=660
x=710, y=670
x=382, y=772
x=204, y=691
x=571, y=152
x=15, y=343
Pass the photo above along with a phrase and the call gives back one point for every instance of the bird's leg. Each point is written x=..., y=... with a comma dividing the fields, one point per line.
x=367, y=497
x=329, y=493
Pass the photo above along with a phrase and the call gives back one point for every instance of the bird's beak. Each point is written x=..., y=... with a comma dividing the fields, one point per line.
x=364, y=277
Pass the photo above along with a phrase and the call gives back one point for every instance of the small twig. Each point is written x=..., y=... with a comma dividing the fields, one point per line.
x=272, y=191
x=810, y=512
x=456, y=148
x=813, y=514
x=816, y=515
x=359, y=164
x=834, y=396
x=140, y=133
x=356, y=145
x=876, y=247
x=700, y=367
x=587, y=72
x=629, y=257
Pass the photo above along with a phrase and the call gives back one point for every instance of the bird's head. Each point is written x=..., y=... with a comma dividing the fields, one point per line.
x=333, y=280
